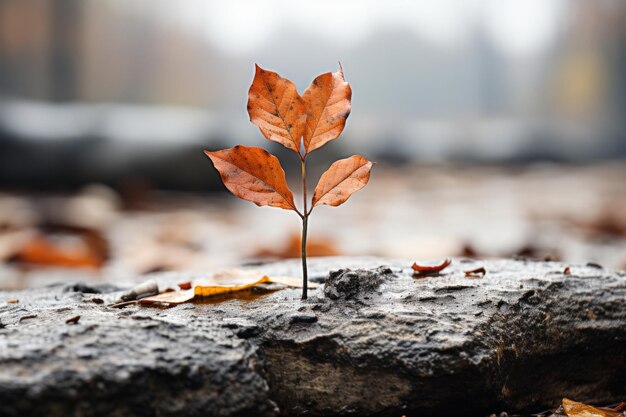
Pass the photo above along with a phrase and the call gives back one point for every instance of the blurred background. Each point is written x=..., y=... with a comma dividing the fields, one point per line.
x=498, y=127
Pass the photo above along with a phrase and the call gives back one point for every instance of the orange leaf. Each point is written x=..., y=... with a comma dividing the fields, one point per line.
x=253, y=174
x=430, y=269
x=41, y=251
x=275, y=106
x=575, y=409
x=341, y=180
x=328, y=106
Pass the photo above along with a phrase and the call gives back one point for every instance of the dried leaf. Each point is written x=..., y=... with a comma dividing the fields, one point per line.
x=275, y=106
x=233, y=280
x=327, y=103
x=478, y=272
x=253, y=174
x=41, y=251
x=567, y=270
x=185, y=285
x=341, y=180
x=73, y=320
x=430, y=269
x=210, y=290
x=223, y=282
x=575, y=409
x=169, y=298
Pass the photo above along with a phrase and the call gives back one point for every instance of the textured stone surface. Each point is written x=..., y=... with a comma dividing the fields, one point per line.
x=518, y=339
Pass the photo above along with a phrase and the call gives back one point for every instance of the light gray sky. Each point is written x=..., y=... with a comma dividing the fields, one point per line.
x=239, y=26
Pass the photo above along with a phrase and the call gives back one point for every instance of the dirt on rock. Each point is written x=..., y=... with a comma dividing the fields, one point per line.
x=347, y=284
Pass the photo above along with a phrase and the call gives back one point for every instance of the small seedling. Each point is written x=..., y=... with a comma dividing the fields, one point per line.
x=300, y=123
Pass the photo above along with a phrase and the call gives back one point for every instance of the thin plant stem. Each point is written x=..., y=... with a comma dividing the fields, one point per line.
x=305, y=220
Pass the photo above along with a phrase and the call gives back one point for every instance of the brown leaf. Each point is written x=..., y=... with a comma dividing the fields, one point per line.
x=567, y=270
x=341, y=180
x=430, y=269
x=73, y=320
x=253, y=174
x=327, y=103
x=478, y=272
x=275, y=106
x=185, y=285
x=575, y=409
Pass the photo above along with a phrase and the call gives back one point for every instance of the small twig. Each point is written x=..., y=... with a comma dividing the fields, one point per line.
x=123, y=304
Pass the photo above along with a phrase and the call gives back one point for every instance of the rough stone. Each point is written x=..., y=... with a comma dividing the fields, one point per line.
x=347, y=284
x=518, y=339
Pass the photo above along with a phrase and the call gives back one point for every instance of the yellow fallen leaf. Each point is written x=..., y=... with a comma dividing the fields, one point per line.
x=209, y=290
x=575, y=409
x=222, y=282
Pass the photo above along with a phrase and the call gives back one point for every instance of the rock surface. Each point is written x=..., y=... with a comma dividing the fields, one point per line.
x=518, y=339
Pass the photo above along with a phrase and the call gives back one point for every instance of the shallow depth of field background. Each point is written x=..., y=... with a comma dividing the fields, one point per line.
x=498, y=127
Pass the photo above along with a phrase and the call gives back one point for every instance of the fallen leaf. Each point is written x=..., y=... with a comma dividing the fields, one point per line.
x=327, y=103
x=575, y=409
x=478, y=272
x=253, y=174
x=341, y=180
x=567, y=271
x=13, y=301
x=185, y=285
x=222, y=282
x=430, y=269
x=275, y=106
x=231, y=280
x=41, y=251
x=73, y=320
x=169, y=298
x=209, y=290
